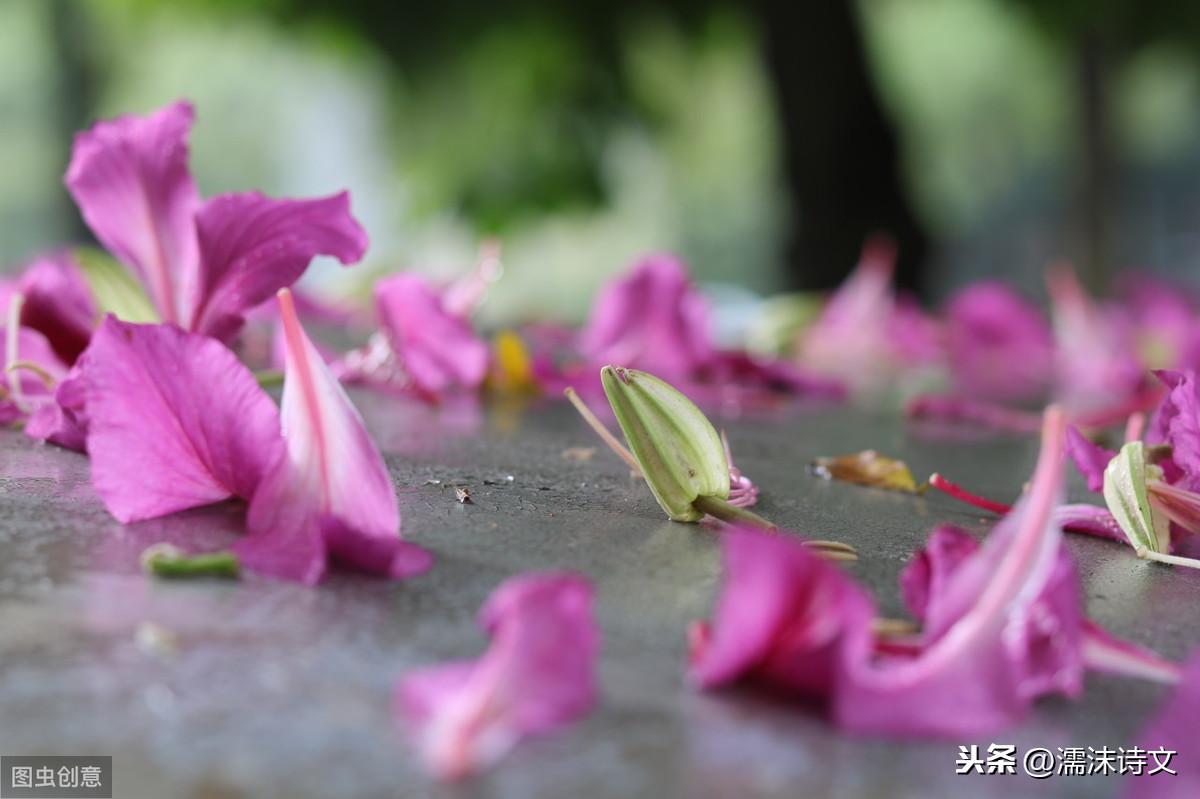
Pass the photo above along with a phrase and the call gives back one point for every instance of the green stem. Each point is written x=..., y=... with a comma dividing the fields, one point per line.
x=269, y=377
x=1173, y=560
x=720, y=509
x=166, y=562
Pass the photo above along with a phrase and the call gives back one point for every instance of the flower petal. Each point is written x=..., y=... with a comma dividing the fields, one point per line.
x=1005, y=630
x=924, y=579
x=538, y=674
x=129, y=176
x=63, y=419
x=174, y=421
x=651, y=318
x=437, y=350
x=1090, y=459
x=329, y=492
x=251, y=246
x=998, y=344
x=58, y=304
x=1177, y=423
x=783, y=619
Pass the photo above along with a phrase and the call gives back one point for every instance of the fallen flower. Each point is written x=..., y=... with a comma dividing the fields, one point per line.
x=327, y=495
x=868, y=468
x=57, y=304
x=204, y=264
x=998, y=344
x=929, y=573
x=537, y=675
x=1003, y=625
x=783, y=620
x=421, y=345
x=651, y=318
x=865, y=335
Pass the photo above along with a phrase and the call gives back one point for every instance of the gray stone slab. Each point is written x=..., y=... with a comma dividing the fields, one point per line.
x=275, y=690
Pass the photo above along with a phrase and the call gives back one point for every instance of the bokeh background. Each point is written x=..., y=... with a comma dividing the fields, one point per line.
x=762, y=140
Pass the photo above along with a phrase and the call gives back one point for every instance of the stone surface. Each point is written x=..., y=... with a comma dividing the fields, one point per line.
x=261, y=689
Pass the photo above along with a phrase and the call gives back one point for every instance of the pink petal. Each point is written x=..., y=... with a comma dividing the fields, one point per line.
x=174, y=421
x=929, y=570
x=1090, y=459
x=1105, y=653
x=537, y=675
x=329, y=493
x=1089, y=520
x=63, y=419
x=129, y=176
x=436, y=350
x=58, y=304
x=783, y=620
x=999, y=345
x=1177, y=423
x=1173, y=729
x=651, y=318
x=251, y=246
x=1005, y=630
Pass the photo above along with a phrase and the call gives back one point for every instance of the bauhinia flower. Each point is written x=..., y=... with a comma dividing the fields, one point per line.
x=425, y=342
x=175, y=421
x=651, y=318
x=865, y=335
x=998, y=344
x=1002, y=625
x=538, y=674
x=204, y=264
x=1095, y=349
x=327, y=495
x=56, y=302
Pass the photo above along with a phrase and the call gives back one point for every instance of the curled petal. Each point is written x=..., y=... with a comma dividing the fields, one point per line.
x=1089, y=458
x=174, y=421
x=783, y=620
x=129, y=176
x=537, y=675
x=251, y=246
x=58, y=304
x=974, y=412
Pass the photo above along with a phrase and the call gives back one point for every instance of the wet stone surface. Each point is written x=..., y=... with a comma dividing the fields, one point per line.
x=262, y=689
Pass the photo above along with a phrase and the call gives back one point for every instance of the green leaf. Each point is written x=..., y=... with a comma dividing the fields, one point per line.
x=1128, y=501
x=676, y=447
x=114, y=289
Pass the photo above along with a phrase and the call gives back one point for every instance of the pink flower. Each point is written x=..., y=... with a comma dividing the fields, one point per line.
x=1003, y=625
x=865, y=335
x=327, y=494
x=203, y=263
x=537, y=675
x=1096, y=358
x=424, y=343
x=651, y=318
x=999, y=346
x=786, y=619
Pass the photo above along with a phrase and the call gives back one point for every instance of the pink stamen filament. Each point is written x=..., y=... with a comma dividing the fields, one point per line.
x=961, y=494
